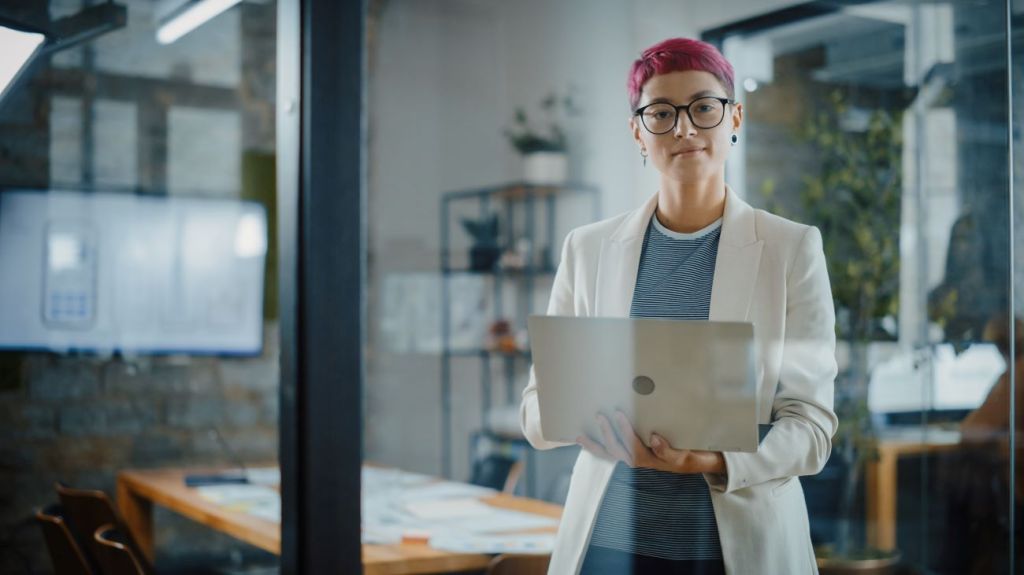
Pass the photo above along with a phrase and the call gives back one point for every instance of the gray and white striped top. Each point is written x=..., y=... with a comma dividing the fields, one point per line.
x=644, y=511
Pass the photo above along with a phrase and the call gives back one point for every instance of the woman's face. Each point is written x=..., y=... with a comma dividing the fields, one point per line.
x=687, y=153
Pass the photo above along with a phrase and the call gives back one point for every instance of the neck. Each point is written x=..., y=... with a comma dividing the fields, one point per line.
x=687, y=207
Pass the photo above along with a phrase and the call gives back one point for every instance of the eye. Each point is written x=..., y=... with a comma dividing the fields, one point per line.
x=661, y=114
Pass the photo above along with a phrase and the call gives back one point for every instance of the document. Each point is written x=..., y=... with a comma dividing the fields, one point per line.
x=532, y=543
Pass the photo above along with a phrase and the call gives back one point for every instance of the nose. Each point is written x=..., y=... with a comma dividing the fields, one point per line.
x=684, y=127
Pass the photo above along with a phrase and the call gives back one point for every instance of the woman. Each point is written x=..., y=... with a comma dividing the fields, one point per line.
x=695, y=250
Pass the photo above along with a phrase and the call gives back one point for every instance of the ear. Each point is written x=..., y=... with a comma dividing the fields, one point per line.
x=737, y=117
x=634, y=126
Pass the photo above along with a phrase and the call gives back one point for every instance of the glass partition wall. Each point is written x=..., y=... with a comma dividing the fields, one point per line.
x=138, y=281
x=494, y=130
x=887, y=125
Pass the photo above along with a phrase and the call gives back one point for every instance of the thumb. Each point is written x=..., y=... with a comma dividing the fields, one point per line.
x=657, y=444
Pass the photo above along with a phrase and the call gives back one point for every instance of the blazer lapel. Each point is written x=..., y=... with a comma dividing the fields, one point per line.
x=739, y=255
x=620, y=261
x=736, y=266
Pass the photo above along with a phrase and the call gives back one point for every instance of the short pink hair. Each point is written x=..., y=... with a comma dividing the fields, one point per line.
x=678, y=55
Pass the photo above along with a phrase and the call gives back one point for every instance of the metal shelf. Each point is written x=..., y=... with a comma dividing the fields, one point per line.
x=505, y=199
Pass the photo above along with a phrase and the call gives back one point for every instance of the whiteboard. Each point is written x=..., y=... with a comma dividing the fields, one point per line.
x=133, y=274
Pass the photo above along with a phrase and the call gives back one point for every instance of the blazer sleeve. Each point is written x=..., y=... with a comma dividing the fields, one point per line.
x=802, y=411
x=561, y=303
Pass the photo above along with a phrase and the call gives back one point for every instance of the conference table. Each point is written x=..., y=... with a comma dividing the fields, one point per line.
x=882, y=479
x=139, y=489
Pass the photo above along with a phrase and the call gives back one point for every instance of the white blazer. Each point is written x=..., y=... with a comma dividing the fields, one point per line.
x=769, y=271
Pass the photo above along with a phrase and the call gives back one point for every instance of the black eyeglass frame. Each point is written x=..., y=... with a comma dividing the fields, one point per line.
x=639, y=112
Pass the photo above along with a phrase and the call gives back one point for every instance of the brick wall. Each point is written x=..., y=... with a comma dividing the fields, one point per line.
x=81, y=419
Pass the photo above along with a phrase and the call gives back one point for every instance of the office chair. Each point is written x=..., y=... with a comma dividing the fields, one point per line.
x=66, y=554
x=511, y=564
x=115, y=557
x=89, y=509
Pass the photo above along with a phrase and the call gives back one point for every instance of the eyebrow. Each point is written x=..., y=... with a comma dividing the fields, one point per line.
x=693, y=97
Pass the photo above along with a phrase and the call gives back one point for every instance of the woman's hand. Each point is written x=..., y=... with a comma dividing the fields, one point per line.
x=621, y=443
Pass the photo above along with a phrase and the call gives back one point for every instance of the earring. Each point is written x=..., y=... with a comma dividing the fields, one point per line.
x=643, y=154
x=735, y=139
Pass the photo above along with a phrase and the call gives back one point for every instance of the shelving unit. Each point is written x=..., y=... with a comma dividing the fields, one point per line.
x=505, y=200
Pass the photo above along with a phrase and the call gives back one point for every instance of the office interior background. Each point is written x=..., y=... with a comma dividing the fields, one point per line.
x=139, y=317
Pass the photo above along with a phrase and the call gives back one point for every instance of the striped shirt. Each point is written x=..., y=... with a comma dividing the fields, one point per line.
x=645, y=511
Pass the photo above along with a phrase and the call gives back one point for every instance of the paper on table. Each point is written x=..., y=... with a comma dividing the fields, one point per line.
x=236, y=493
x=537, y=544
x=504, y=520
x=445, y=490
x=448, y=508
x=384, y=477
x=269, y=510
x=257, y=500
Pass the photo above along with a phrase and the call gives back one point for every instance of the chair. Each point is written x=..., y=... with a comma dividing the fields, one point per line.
x=67, y=556
x=89, y=509
x=510, y=564
x=114, y=555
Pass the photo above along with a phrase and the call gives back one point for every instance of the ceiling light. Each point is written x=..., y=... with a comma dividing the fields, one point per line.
x=189, y=16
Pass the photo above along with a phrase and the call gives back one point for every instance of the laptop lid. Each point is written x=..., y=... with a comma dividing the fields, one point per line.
x=692, y=382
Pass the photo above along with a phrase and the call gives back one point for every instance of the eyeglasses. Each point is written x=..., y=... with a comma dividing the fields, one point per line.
x=705, y=113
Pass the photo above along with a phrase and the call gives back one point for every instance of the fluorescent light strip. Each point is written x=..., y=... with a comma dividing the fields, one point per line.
x=191, y=16
x=17, y=48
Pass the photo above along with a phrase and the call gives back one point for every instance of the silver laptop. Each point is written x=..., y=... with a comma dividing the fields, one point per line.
x=692, y=382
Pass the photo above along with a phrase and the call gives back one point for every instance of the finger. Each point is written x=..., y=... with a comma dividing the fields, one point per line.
x=611, y=442
x=593, y=447
x=665, y=452
x=630, y=440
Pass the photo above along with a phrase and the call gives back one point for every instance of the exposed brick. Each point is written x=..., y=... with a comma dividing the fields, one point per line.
x=271, y=408
x=70, y=454
x=249, y=445
x=104, y=419
x=243, y=414
x=162, y=447
x=198, y=412
x=64, y=381
x=133, y=379
x=17, y=456
x=18, y=422
x=254, y=445
x=259, y=374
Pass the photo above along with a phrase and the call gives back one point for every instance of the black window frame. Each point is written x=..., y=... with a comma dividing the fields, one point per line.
x=321, y=204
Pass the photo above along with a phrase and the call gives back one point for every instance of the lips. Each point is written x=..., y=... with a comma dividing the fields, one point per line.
x=688, y=152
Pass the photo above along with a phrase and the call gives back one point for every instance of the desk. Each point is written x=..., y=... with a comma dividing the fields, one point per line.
x=138, y=490
x=882, y=481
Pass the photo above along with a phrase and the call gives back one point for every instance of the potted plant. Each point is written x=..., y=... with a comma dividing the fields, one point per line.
x=855, y=201
x=543, y=147
x=484, y=252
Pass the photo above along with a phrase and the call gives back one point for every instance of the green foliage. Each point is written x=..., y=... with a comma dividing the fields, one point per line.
x=855, y=201
x=527, y=138
x=483, y=231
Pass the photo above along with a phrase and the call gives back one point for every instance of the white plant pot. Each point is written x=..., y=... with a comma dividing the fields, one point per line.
x=545, y=168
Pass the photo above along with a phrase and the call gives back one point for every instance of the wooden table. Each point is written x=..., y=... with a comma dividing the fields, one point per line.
x=882, y=479
x=138, y=490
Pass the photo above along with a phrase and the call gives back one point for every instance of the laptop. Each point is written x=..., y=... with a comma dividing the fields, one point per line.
x=692, y=382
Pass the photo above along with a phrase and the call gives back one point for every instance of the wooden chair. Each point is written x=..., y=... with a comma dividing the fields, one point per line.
x=89, y=509
x=66, y=554
x=115, y=557
x=510, y=564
